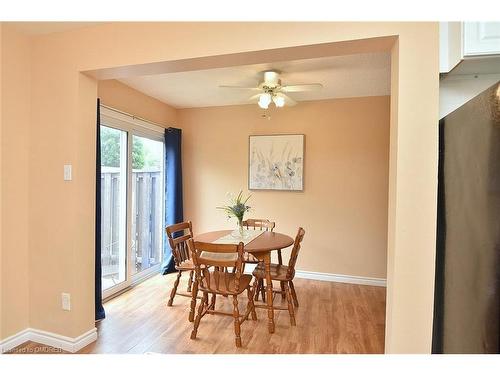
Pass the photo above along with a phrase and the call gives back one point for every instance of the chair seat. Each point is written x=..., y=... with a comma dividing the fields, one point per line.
x=186, y=265
x=245, y=280
x=249, y=258
x=218, y=257
x=278, y=272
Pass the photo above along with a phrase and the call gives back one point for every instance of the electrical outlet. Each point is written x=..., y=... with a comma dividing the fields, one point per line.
x=67, y=172
x=66, y=301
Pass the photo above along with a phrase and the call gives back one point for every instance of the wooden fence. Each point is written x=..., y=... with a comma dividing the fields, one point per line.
x=147, y=220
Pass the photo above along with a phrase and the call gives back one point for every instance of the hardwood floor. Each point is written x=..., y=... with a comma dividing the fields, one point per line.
x=332, y=318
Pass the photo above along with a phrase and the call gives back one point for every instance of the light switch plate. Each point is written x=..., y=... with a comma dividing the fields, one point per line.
x=66, y=301
x=67, y=172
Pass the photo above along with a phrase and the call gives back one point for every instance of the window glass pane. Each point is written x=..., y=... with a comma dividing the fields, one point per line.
x=147, y=203
x=113, y=206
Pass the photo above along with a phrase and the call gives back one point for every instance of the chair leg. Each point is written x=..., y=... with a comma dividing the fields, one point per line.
x=283, y=292
x=212, y=301
x=174, y=289
x=290, y=305
x=198, y=316
x=250, y=305
x=256, y=290
x=236, y=316
x=194, y=295
x=263, y=290
x=190, y=281
x=260, y=289
x=294, y=295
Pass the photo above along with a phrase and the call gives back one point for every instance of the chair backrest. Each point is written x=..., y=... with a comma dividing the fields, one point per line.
x=295, y=252
x=261, y=224
x=221, y=257
x=178, y=234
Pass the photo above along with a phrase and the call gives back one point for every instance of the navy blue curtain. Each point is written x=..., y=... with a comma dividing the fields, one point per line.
x=173, y=190
x=99, y=309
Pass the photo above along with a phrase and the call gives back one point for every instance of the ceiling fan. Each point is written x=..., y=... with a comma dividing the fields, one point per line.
x=271, y=90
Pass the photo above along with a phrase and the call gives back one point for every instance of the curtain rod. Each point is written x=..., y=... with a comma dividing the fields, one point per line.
x=133, y=116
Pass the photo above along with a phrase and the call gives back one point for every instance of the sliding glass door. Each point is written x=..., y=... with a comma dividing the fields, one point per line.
x=132, y=201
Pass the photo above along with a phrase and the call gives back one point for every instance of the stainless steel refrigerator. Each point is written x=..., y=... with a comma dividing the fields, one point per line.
x=467, y=289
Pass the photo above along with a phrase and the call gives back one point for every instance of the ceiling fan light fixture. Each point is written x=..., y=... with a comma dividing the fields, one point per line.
x=271, y=90
x=279, y=101
x=264, y=100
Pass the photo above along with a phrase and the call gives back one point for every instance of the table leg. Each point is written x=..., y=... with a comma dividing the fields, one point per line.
x=269, y=292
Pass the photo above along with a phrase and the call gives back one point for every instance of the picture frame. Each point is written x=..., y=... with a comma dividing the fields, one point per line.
x=276, y=162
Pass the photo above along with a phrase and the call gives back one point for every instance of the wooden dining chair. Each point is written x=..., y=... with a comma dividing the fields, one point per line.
x=267, y=225
x=263, y=225
x=284, y=274
x=219, y=281
x=178, y=235
x=257, y=224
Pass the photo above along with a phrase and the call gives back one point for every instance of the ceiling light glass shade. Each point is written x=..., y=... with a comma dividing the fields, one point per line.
x=279, y=101
x=264, y=100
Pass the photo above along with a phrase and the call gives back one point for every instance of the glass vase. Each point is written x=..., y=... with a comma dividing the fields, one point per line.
x=240, y=227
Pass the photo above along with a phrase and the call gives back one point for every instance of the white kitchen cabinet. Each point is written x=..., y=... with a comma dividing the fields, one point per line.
x=450, y=45
x=481, y=38
x=465, y=41
x=469, y=57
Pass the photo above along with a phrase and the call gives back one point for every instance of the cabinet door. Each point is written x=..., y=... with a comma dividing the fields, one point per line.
x=481, y=38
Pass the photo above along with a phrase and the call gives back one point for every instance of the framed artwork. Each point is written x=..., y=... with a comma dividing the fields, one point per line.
x=276, y=162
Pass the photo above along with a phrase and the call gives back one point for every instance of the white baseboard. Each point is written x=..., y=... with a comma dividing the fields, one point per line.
x=340, y=278
x=15, y=340
x=68, y=344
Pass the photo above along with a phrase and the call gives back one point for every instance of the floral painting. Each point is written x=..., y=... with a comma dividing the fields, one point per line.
x=276, y=162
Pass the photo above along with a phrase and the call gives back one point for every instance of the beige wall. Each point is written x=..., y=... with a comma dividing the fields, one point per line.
x=63, y=124
x=14, y=149
x=120, y=96
x=344, y=203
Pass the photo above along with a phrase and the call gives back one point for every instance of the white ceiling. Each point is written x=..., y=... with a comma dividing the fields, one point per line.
x=341, y=77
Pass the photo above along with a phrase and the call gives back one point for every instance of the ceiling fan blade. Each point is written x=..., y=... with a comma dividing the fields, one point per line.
x=288, y=101
x=239, y=87
x=305, y=87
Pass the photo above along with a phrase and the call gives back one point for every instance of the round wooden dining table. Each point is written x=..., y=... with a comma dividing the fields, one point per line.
x=261, y=248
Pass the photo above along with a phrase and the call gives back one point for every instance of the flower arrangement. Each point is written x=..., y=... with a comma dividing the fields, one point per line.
x=237, y=209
